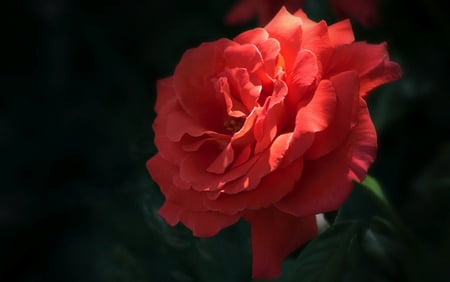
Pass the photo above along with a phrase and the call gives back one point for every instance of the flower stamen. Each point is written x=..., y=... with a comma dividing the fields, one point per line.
x=233, y=124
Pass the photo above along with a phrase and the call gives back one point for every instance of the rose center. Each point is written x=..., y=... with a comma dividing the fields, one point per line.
x=233, y=124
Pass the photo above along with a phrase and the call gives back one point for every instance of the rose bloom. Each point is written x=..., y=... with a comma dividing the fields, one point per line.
x=271, y=127
x=363, y=11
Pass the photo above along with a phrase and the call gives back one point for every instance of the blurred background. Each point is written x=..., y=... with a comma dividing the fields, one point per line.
x=76, y=108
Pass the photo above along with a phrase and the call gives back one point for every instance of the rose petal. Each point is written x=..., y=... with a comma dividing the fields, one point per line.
x=306, y=22
x=316, y=39
x=271, y=118
x=346, y=87
x=221, y=163
x=243, y=156
x=179, y=124
x=193, y=85
x=170, y=212
x=327, y=182
x=234, y=108
x=305, y=72
x=243, y=56
x=185, y=199
x=266, y=162
x=365, y=144
x=244, y=87
x=186, y=205
x=165, y=104
x=202, y=224
x=283, y=179
x=287, y=29
x=371, y=61
x=252, y=36
x=274, y=236
x=319, y=112
x=270, y=49
x=193, y=170
x=341, y=33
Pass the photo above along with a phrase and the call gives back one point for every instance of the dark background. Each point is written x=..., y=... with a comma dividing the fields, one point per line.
x=76, y=107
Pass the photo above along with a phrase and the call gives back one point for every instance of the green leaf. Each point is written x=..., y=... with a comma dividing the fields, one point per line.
x=373, y=186
x=323, y=259
x=352, y=251
x=366, y=201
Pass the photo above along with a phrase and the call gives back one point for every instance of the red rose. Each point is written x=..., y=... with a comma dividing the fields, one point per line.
x=363, y=11
x=272, y=127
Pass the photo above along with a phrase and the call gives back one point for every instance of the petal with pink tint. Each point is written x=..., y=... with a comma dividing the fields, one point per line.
x=327, y=182
x=274, y=236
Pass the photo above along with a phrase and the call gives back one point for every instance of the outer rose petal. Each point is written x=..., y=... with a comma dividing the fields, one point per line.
x=274, y=236
x=341, y=33
x=319, y=112
x=165, y=104
x=327, y=182
x=369, y=60
x=193, y=86
x=346, y=87
x=202, y=224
